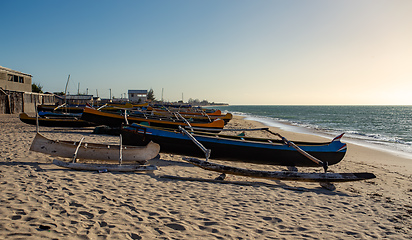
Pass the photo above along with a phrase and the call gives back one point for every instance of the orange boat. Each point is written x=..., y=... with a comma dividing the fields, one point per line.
x=116, y=120
x=227, y=117
x=188, y=111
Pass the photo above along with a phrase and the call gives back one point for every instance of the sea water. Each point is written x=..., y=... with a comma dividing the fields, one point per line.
x=383, y=127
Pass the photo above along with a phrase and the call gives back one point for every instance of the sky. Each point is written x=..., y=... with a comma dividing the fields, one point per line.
x=278, y=52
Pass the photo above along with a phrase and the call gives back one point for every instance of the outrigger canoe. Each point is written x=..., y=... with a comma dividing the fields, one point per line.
x=227, y=117
x=116, y=120
x=200, y=112
x=55, y=121
x=94, y=151
x=237, y=148
x=61, y=108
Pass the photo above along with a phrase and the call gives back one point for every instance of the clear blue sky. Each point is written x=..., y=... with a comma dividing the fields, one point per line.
x=240, y=52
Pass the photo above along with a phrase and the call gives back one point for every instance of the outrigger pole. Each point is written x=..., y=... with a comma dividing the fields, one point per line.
x=300, y=150
x=37, y=115
x=77, y=150
x=205, y=150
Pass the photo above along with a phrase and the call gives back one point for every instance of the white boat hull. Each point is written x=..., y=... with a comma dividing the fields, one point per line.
x=94, y=151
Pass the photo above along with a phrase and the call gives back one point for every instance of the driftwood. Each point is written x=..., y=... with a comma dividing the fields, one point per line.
x=105, y=167
x=282, y=175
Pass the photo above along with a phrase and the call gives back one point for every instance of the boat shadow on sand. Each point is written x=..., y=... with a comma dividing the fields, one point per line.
x=271, y=184
x=35, y=165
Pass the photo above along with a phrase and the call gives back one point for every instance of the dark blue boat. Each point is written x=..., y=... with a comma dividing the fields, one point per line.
x=59, y=114
x=236, y=148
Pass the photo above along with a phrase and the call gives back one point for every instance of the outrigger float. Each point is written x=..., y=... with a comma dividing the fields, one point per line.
x=281, y=175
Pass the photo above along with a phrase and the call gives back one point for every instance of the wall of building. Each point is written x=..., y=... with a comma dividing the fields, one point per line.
x=17, y=102
x=30, y=99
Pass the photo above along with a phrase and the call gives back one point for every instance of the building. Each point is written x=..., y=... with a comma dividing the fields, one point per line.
x=16, y=95
x=12, y=80
x=137, y=96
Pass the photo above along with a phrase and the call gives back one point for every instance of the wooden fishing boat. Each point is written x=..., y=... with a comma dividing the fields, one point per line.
x=61, y=108
x=116, y=120
x=200, y=112
x=227, y=117
x=59, y=115
x=177, y=116
x=55, y=121
x=95, y=151
x=237, y=148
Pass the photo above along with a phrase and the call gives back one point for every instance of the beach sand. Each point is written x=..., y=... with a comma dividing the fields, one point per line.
x=39, y=200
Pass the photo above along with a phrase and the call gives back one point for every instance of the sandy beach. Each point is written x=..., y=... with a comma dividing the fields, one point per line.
x=39, y=200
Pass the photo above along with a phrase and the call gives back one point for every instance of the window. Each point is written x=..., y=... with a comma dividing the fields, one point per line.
x=14, y=78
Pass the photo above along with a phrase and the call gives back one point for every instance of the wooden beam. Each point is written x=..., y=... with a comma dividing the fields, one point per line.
x=281, y=175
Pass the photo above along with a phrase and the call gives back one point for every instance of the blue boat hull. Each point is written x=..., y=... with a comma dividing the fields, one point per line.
x=251, y=150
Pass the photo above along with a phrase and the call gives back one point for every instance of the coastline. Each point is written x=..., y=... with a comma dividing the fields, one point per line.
x=91, y=205
x=385, y=128
x=288, y=127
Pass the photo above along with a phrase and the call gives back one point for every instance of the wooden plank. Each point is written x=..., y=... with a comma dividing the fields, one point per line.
x=282, y=175
x=106, y=167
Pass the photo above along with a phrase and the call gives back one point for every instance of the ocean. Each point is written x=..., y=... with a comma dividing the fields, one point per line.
x=383, y=127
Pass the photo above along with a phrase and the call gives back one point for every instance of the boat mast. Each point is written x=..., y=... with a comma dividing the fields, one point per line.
x=65, y=92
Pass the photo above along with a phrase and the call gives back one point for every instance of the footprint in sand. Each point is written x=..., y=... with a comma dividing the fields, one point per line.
x=76, y=204
x=102, y=211
x=16, y=217
x=176, y=226
x=272, y=219
x=210, y=223
x=135, y=236
x=97, y=190
x=87, y=214
x=103, y=224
